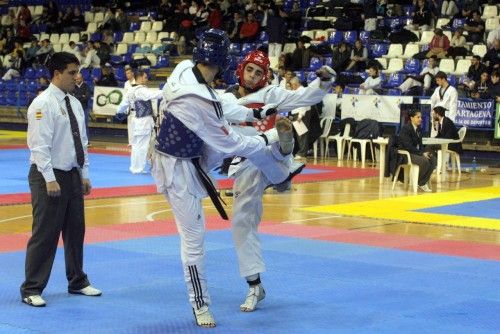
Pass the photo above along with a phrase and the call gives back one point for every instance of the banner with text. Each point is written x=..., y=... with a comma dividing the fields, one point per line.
x=475, y=113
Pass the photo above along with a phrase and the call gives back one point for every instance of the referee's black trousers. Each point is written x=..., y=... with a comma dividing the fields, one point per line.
x=51, y=216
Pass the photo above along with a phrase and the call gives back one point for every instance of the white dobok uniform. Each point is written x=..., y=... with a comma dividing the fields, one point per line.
x=142, y=125
x=250, y=182
x=194, y=104
x=130, y=130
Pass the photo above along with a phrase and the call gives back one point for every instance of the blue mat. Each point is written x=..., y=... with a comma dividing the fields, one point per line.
x=312, y=287
x=105, y=171
x=485, y=209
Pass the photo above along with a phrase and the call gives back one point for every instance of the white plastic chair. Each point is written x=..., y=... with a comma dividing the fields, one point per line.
x=395, y=50
x=340, y=139
x=455, y=157
x=479, y=50
x=411, y=172
x=489, y=12
x=326, y=125
x=447, y=65
x=145, y=26
x=157, y=26
x=362, y=143
x=426, y=37
x=395, y=65
x=410, y=50
x=462, y=67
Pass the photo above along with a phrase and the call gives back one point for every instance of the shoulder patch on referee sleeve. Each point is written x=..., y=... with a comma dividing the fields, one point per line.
x=38, y=114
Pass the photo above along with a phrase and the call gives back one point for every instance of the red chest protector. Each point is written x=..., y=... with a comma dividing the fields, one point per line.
x=265, y=123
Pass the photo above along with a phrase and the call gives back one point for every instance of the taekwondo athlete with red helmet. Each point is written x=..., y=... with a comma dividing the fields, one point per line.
x=253, y=91
x=194, y=137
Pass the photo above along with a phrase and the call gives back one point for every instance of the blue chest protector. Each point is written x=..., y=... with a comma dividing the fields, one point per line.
x=143, y=108
x=176, y=140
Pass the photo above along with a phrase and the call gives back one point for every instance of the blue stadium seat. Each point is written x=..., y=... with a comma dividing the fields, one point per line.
x=3, y=102
x=350, y=36
x=335, y=37
x=364, y=36
x=457, y=23
x=23, y=87
x=32, y=86
x=96, y=73
x=412, y=66
x=120, y=74
x=2, y=86
x=235, y=49
x=42, y=72
x=97, y=36
x=315, y=64
x=11, y=98
x=30, y=73
x=393, y=92
x=328, y=61
x=300, y=75
x=263, y=37
x=162, y=62
x=311, y=76
x=247, y=47
x=85, y=72
x=379, y=49
x=395, y=79
x=452, y=80
x=118, y=36
x=134, y=26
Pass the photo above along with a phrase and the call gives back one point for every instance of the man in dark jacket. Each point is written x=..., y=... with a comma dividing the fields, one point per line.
x=410, y=139
x=82, y=93
x=446, y=128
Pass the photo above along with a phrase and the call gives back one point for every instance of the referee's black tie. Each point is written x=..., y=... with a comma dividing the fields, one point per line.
x=80, y=157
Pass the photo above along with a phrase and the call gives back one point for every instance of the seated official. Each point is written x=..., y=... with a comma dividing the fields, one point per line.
x=410, y=139
x=445, y=128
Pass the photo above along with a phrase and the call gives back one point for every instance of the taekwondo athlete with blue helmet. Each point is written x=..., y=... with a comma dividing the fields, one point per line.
x=138, y=102
x=194, y=137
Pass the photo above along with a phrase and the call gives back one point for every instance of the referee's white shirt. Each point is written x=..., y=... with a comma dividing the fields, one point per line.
x=49, y=133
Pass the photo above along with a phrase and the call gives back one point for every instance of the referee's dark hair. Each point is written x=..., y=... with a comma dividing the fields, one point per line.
x=440, y=110
x=413, y=112
x=59, y=61
x=139, y=74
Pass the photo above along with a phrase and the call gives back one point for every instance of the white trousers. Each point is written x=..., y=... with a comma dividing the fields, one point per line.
x=130, y=128
x=409, y=83
x=275, y=49
x=140, y=146
x=187, y=208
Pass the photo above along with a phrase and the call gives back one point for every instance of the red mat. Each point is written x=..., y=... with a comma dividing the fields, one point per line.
x=325, y=174
x=127, y=231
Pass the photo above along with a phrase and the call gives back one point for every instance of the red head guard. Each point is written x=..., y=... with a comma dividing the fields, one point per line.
x=258, y=58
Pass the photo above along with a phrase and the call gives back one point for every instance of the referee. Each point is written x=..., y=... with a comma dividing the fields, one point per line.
x=58, y=179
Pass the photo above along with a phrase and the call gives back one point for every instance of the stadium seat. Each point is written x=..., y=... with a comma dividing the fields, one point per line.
x=393, y=92
x=91, y=27
x=379, y=49
x=328, y=61
x=134, y=26
x=75, y=37
x=447, y=65
x=128, y=37
x=441, y=22
x=321, y=35
x=462, y=67
x=246, y=48
x=139, y=37
x=308, y=33
x=410, y=50
x=235, y=49
x=491, y=24
x=64, y=38
x=151, y=37
x=146, y=26
x=426, y=37
x=85, y=72
x=490, y=12
x=300, y=75
x=29, y=73
x=479, y=50
x=448, y=34
x=157, y=26
x=57, y=47
x=395, y=65
x=412, y=66
x=364, y=36
x=289, y=47
x=335, y=37
x=117, y=36
x=350, y=36
x=395, y=50
x=315, y=64
x=382, y=61
x=88, y=17
x=452, y=80
x=394, y=80
x=163, y=35
x=98, y=17
x=96, y=73
x=121, y=49
x=120, y=74
x=457, y=23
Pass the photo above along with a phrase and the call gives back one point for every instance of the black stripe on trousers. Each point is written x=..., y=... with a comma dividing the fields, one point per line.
x=195, y=281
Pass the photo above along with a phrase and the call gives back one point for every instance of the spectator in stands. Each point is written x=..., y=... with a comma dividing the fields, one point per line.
x=76, y=22
x=10, y=41
x=276, y=29
x=457, y=46
x=65, y=19
x=90, y=60
x=107, y=77
x=30, y=54
x=214, y=16
x=82, y=93
x=122, y=22
x=340, y=57
x=52, y=12
x=475, y=28
x=24, y=14
x=492, y=56
x=103, y=51
x=494, y=90
x=3, y=43
x=285, y=83
x=339, y=91
x=426, y=78
x=410, y=139
x=439, y=44
x=234, y=27
x=9, y=19
x=474, y=73
x=449, y=8
x=23, y=31
x=249, y=29
x=445, y=95
x=372, y=84
x=421, y=16
x=301, y=56
x=44, y=52
x=109, y=20
x=469, y=7
x=16, y=66
x=294, y=17
x=359, y=56
x=200, y=19
x=18, y=46
x=75, y=50
x=482, y=87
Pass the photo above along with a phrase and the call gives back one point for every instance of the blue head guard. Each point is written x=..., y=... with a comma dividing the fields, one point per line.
x=213, y=49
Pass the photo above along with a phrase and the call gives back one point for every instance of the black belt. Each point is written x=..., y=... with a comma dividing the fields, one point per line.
x=209, y=186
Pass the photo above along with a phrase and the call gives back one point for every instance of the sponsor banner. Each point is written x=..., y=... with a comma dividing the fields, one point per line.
x=107, y=100
x=497, y=122
x=475, y=113
x=378, y=107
